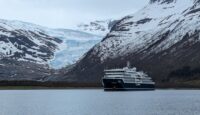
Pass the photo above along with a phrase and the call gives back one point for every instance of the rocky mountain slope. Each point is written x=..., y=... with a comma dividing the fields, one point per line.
x=13, y=70
x=161, y=39
x=26, y=42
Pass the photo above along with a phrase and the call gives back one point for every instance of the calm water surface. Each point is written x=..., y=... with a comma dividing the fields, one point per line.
x=98, y=102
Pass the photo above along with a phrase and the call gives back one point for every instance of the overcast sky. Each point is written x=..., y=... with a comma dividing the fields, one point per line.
x=67, y=13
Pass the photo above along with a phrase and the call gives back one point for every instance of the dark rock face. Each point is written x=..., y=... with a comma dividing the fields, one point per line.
x=145, y=20
x=163, y=52
x=112, y=23
x=12, y=70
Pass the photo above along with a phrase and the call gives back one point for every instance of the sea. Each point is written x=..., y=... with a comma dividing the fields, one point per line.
x=99, y=102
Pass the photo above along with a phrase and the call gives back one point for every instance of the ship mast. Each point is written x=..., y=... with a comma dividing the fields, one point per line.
x=128, y=64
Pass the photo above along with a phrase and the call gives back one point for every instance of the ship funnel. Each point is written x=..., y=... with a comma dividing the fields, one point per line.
x=128, y=64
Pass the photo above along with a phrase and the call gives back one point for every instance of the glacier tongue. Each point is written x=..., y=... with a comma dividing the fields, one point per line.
x=73, y=47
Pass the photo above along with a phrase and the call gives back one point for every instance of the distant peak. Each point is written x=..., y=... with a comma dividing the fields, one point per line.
x=162, y=1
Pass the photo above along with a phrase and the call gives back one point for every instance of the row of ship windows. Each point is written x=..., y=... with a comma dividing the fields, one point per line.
x=147, y=80
x=128, y=81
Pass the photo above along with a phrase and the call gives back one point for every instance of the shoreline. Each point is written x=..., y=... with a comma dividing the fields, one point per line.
x=74, y=88
x=38, y=85
x=45, y=88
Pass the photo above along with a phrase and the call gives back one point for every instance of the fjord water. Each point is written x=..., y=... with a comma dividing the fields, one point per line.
x=98, y=102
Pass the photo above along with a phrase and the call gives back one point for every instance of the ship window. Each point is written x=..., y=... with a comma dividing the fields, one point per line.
x=114, y=71
x=114, y=74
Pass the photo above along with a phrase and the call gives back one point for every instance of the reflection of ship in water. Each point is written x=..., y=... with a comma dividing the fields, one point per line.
x=126, y=79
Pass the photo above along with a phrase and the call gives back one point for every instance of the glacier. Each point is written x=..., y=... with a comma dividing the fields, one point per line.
x=60, y=47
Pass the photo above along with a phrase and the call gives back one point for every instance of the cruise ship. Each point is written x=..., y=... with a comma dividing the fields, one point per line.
x=126, y=79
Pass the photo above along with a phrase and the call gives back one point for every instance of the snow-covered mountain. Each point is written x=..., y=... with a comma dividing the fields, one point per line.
x=98, y=27
x=25, y=41
x=34, y=43
x=160, y=38
x=137, y=32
